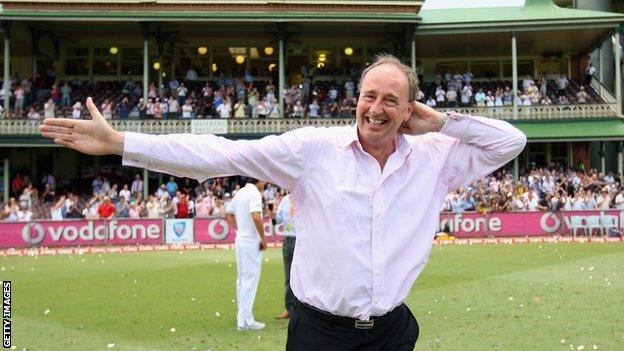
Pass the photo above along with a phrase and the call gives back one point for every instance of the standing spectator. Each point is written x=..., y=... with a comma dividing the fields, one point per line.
x=239, y=109
x=107, y=109
x=125, y=193
x=182, y=91
x=182, y=207
x=451, y=98
x=349, y=87
x=124, y=109
x=55, y=210
x=604, y=200
x=174, y=107
x=440, y=96
x=153, y=207
x=619, y=200
x=187, y=109
x=137, y=185
x=65, y=93
x=48, y=109
x=285, y=215
x=18, y=108
x=562, y=85
x=590, y=71
x=225, y=109
x=191, y=74
x=172, y=187
x=77, y=110
x=106, y=210
x=122, y=208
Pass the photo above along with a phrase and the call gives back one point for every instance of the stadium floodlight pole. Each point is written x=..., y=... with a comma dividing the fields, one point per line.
x=514, y=73
x=6, y=26
x=281, y=67
x=617, y=54
x=145, y=27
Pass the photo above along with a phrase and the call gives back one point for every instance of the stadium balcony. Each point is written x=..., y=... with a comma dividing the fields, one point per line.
x=247, y=126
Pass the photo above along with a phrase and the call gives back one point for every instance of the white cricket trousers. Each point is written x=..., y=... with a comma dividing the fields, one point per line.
x=248, y=263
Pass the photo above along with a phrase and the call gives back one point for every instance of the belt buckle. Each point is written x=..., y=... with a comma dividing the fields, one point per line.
x=360, y=324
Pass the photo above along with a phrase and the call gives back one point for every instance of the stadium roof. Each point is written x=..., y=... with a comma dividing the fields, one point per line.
x=541, y=26
x=534, y=15
x=402, y=11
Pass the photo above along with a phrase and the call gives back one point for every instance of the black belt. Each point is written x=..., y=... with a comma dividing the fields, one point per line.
x=345, y=321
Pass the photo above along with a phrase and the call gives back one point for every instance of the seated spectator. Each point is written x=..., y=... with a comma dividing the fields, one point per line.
x=563, y=100
x=314, y=109
x=33, y=115
x=581, y=96
x=431, y=102
x=298, y=110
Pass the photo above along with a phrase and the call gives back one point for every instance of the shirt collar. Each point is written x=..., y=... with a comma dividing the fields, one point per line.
x=351, y=136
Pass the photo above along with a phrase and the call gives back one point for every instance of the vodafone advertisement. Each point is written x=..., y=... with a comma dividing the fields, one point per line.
x=510, y=224
x=217, y=231
x=81, y=233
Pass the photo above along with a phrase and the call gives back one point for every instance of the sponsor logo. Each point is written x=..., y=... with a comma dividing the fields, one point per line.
x=218, y=229
x=36, y=233
x=178, y=228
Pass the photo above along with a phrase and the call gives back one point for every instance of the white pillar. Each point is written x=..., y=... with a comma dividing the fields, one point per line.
x=413, y=47
x=602, y=157
x=145, y=60
x=514, y=72
x=282, y=68
x=619, y=157
x=145, y=183
x=160, y=80
x=5, y=194
x=618, y=71
x=516, y=166
x=7, y=75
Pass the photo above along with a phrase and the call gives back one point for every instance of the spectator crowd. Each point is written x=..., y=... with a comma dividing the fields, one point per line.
x=239, y=95
x=540, y=189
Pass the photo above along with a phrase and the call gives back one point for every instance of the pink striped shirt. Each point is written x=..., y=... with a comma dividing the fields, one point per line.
x=364, y=233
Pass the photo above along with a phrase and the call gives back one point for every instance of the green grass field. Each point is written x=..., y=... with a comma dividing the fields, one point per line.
x=479, y=297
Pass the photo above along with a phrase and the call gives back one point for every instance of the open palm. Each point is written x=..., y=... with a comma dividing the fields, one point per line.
x=93, y=137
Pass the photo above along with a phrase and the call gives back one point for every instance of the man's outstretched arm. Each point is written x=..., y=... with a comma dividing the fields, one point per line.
x=93, y=137
x=279, y=159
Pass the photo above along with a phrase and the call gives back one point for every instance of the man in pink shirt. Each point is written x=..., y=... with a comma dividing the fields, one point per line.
x=367, y=197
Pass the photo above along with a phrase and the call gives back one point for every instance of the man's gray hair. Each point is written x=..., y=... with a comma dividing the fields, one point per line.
x=384, y=58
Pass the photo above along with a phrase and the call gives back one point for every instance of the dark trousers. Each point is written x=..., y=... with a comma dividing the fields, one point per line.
x=309, y=332
x=288, y=250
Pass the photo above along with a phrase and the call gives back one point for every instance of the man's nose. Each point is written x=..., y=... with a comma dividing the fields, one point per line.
x=376, y=108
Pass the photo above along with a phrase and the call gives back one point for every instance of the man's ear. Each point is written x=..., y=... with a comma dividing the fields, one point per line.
x=409, y=111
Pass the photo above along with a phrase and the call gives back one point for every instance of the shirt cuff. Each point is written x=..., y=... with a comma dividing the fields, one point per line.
x=456, y=125
x=136, y=150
